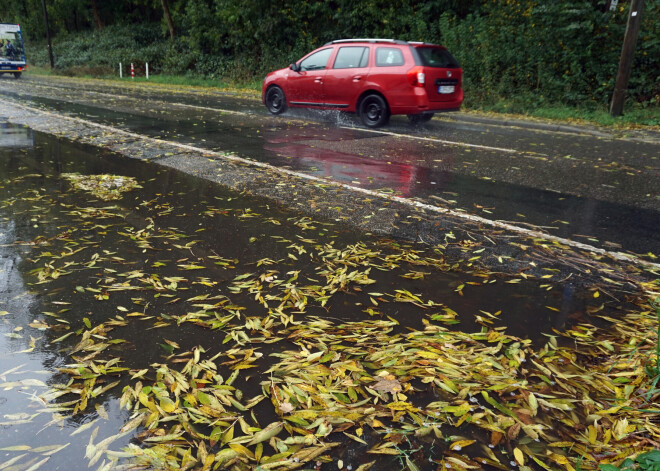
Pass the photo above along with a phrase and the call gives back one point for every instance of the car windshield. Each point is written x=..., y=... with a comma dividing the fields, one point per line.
x=11, y=44
x=437, y=57
x=316, y=61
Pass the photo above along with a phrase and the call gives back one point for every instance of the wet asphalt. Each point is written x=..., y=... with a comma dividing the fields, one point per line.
x=580, y=183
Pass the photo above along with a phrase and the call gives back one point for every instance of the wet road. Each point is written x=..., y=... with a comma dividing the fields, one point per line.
x=574, y=183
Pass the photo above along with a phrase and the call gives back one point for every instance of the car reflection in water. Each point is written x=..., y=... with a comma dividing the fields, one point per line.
x=15, y=137
x=348, y=159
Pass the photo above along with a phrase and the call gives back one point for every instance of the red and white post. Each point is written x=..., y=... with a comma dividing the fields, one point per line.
x=132, y=71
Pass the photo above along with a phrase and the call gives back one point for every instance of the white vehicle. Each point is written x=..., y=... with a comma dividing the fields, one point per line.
x=12, y=53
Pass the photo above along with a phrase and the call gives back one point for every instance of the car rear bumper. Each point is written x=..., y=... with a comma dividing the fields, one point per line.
x=422, y=104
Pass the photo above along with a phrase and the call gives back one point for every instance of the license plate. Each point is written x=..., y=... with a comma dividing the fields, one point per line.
x=446, y=89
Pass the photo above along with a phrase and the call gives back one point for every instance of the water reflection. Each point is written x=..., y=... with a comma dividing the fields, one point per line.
x=347, y=156
x=15, y=137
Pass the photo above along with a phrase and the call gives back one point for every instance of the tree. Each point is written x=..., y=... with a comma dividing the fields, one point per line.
x=168, y=18
x=97, y=15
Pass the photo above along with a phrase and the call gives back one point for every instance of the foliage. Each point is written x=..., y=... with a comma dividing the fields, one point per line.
x=552, y=51
x=649, y=461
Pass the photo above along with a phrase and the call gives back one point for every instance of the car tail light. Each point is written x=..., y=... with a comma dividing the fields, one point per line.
x=416, y=76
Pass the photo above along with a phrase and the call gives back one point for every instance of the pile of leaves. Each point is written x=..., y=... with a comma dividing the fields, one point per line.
x=104, y=187
x=466, y=401
x=298, y=361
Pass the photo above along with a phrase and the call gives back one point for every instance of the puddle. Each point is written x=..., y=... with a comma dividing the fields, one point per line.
x=181, y=263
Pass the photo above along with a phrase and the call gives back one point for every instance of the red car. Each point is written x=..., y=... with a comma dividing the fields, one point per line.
x=374, y=78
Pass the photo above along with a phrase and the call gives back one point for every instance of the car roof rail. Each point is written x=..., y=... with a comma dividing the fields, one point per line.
x=367, y=40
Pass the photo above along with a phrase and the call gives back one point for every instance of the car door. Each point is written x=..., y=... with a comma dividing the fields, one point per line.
x=305, y=86
x=344, y=81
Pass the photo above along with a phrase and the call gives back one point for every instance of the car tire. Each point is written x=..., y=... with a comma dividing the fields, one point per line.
x=275, y=100
x=17, y=75
x=374, y=111
x=422, y=118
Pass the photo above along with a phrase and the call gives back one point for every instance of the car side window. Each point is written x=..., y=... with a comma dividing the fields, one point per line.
x=352, y=57
x=316, y=61
x=389, y=57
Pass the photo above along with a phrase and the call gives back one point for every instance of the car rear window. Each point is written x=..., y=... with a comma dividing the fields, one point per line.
x=436, y=57
x=388, y=57
x=351, y=57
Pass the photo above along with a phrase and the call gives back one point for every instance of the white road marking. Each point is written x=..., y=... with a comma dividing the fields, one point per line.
x=219, y=110
x=372, y=193
x=442, y=141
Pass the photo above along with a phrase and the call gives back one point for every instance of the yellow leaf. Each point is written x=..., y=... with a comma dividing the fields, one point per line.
x=533, y=403
x=241, y=449
x=167, y=404
x=460, y=444
x=518, y=455
x=592, y=434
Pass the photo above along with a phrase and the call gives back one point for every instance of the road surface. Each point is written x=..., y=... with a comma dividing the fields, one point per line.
x=575, y=183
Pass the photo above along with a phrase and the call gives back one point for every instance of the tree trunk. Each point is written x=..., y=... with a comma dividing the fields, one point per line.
x=97, y=15
x=168, y=18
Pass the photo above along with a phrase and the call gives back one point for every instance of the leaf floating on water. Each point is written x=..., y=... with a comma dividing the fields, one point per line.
x=16, y=448
x=50, y=449
x=518, y=455
x=11, y=461
x=267, y=433
x=38, y=465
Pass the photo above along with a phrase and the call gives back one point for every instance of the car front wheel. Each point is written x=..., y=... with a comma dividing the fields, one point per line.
x=374, y=111
x=275, y=100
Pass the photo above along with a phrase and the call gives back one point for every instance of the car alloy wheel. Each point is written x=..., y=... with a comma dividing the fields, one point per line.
x=374, y=111
x=275, y=100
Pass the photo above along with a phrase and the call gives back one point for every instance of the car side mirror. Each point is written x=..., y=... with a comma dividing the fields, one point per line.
x=295, y=67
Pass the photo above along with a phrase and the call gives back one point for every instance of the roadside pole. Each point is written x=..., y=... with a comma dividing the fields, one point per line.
x=146, y=66
x=50, y=47
x=121, y=74
x=627, y=54
x=132, y=71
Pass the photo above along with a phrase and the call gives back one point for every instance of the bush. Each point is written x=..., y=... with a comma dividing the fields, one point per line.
x=533, y=52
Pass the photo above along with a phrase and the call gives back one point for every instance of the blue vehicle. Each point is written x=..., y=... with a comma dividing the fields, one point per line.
x=12, y=53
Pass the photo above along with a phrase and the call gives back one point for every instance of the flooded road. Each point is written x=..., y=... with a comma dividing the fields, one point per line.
x=589, y=187
x=159, y=329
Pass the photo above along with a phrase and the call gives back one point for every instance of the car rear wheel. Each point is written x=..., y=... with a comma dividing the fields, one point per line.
x=275, y=100
x=420, y=118
x=17, y=74
x=374, y=111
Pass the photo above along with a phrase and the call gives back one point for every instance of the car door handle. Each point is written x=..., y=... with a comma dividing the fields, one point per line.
x=357, y=78
x=318, y=80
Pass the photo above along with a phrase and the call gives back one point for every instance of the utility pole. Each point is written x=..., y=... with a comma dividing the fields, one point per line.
x=627, y=53
x=50, y=47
